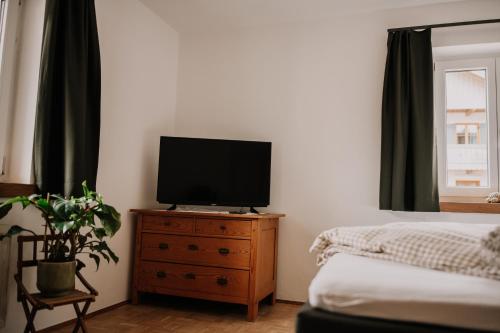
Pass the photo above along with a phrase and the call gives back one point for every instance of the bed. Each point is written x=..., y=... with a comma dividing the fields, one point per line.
x=358, y=294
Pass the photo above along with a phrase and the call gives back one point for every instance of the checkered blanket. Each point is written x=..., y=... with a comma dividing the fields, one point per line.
x=449, y=247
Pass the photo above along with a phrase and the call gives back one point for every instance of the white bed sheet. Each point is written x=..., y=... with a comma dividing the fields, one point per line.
x=376, y=288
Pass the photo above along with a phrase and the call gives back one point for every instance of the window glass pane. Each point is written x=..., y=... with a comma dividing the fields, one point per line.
x=472, y=134
x=466, y=120
x=460, y=134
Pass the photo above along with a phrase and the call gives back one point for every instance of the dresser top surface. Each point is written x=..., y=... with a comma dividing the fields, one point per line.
x=164, y=212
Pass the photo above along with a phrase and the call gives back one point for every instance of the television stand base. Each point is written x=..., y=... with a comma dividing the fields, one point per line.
x=173, y=207
x=241, y=211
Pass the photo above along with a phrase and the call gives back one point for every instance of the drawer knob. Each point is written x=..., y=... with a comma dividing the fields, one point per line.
x=223, y=251
x=222, y=227
x=163, y=246
x=193, y=247
x=222, y=281
x=161, y=274
x=190, y=276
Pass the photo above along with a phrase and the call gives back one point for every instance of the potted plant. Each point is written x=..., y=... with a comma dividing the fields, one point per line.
x=74, y=230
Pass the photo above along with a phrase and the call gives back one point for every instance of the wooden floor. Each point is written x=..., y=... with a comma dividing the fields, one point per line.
x=185, y=315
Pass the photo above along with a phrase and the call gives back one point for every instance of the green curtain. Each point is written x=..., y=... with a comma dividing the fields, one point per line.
x=408, y=175
x=66, y=142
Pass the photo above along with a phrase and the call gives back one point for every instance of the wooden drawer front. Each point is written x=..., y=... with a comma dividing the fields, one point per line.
x=197, y=250
x=210, y=280
x=224, y=227
x=168, y=224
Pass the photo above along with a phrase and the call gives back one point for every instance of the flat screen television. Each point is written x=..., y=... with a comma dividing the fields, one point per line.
x=214, y=172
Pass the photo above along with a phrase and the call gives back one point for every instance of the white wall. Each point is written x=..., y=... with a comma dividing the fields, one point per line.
x=313, y=89
x=139, y=73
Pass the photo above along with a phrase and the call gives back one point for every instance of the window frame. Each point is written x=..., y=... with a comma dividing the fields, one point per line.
x=441, y=67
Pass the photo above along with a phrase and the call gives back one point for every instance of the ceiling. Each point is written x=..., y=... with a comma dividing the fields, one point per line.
x=205, y=14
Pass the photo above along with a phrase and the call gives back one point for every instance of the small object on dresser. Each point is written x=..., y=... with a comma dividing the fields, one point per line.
x=493, y=197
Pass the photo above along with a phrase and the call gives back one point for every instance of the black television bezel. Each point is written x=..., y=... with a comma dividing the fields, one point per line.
x=217, y=204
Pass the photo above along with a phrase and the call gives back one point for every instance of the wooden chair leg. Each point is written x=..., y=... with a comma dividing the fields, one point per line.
x=80, y=317
x=30, y=317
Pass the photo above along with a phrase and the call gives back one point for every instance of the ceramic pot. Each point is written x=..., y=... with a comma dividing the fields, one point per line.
x=55, y=279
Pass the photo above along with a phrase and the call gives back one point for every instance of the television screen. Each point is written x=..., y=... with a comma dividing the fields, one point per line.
x=214, y=172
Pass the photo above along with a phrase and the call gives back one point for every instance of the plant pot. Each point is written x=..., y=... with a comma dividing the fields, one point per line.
x=56, y=279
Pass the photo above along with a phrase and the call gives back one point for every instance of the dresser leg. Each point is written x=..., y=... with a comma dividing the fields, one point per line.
x=253, y=310
x=135, y=297
x=273, y=298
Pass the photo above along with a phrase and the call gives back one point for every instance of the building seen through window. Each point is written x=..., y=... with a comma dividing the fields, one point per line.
x=467, y=130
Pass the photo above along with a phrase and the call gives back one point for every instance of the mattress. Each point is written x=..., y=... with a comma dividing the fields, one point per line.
x=375, y=288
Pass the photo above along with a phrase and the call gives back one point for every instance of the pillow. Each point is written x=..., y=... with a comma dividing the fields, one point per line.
x=491, y=246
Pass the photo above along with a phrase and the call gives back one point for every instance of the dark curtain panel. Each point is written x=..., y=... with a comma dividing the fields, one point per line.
x=408, y=175
x=66, y=143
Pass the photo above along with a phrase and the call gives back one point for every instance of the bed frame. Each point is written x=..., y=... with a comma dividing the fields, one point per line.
x=312, y=320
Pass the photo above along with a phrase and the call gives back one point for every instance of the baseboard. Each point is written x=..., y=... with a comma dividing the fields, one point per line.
x=285, y=301
x=90, y=315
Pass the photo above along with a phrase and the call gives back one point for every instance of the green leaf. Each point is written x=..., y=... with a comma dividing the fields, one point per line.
x=14, y=230
x=86, y=191
x=43, y=204
x=25, y=202
x=96, y=259
x=34, y=197
x=90, y=219
x=15, y=200
x=63, y=226
x=4, y=209
x=89, y=194
x=63, y=209
x=110, y=219
x=82, y=239
x=100, y=233
x=79, y=264
x=110, y=227
x=111, y=253
x=103, y=246
x=105, y=256
x=57, y=197
x=6, y=206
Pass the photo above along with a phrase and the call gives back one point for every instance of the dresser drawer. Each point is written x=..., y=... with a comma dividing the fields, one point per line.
x=209, y=280
x=223, y=227
x=168, y=224
x=234, y=253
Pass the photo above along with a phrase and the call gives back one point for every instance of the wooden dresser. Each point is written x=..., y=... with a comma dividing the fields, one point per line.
x=213, y=256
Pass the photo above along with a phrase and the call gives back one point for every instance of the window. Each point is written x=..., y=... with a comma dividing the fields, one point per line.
x=3, y=113
x=465, y=134
x=9, y=14
x=466, y=120
x=2, y=11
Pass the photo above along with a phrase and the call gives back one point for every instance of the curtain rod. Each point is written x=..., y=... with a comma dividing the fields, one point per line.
x=444, y=25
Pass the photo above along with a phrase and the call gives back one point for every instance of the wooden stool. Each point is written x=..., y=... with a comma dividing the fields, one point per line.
x=39, y=302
